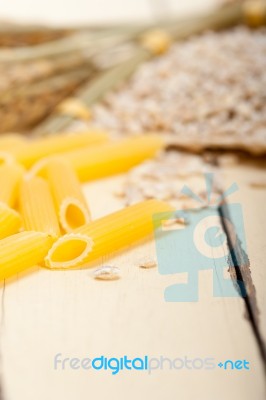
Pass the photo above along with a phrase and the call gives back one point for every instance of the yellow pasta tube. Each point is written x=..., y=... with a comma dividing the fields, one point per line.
x=9, y=141
x=71, y=205
x=105, y=235
x=37, y=207
x=39, y=168
x=21, y=251
x=10, y=221
x=6, y=158
x=10, y=176
x=113, y=158
x=38, y=148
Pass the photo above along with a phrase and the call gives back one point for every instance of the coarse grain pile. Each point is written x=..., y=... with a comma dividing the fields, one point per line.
x=207, y=92
x=164, y=177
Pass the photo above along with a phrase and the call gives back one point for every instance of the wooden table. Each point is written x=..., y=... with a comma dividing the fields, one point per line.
x=48, y=312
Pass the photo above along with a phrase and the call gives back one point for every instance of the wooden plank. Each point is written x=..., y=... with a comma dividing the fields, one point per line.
x=48, y=312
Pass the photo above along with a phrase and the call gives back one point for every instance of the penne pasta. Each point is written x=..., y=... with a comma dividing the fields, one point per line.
x=10, y=176
x=22, y=251
x=72, y=209
x=39, y=148
x=37, y=207
x=39, y=168
x=9, y=141
x=113, y=158
x=105, y=235
x=6, y=158
x=106, y=159
x=10, y=221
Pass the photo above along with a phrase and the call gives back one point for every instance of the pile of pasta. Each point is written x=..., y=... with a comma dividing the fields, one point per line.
x=45, y=219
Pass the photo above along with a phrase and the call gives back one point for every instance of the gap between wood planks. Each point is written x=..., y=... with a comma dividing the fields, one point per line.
x=239, y=268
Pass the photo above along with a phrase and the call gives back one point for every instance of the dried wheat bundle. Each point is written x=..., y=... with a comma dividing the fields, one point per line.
x=26, y=106
x=15, y=35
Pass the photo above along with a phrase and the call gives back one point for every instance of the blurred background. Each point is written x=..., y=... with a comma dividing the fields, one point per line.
x=71, y=12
